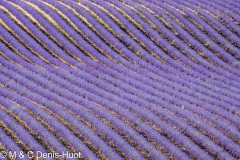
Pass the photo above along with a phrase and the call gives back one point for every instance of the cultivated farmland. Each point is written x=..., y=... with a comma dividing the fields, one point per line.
x=120, y=79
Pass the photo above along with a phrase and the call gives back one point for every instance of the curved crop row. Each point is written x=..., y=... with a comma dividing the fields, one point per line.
x=118, y=79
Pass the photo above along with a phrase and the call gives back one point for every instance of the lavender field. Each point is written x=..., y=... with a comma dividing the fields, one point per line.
x=120, y=79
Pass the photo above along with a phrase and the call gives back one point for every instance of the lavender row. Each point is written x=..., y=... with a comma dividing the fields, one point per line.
x=56, y=125
x=172, y=11
x=58, y=100
x=190, y=93
x=188, y=51
x=175, y=52
x=9, y=144
x=202, y=37
x=85, y=151
x=87, y=47
x=48, y=137
x=229, y=13
x=218, y=17
x=52, y=31
x=27, y=39
x=214, y=35
x=229, y=6
x=146, y=88
x=21, y=133
x=29, y=121
x=150, y=44
x=136, y=49
x=107, y=116
x=80, y=101
x=108, y=37
x=163, y=42
x=40, y=35
x=186, y=36
x=232, y=4
x=221, y=17
x=41, y=131
x=96, y=40
x=230, y=48
x=20, y=48
x=211, y=33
